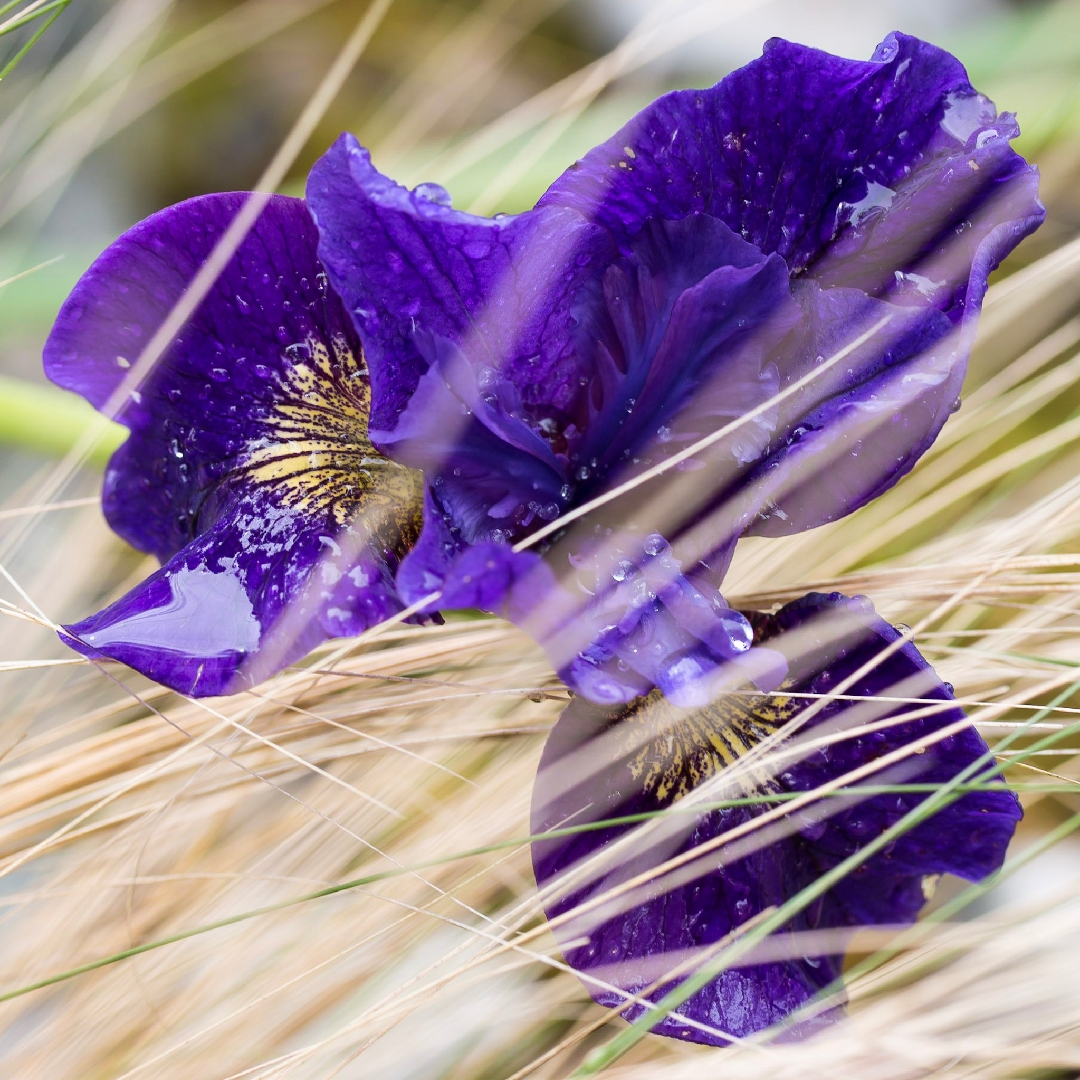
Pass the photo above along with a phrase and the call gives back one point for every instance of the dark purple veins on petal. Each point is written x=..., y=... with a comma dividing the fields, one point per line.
x=600, y=764
x=500, y=289
x=248, y=470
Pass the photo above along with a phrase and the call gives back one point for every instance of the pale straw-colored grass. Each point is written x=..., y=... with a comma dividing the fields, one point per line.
x=328, y=876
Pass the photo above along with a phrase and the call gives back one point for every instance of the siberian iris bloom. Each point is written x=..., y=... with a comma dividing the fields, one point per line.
x=644, y=903
x=747, y=313
x=248, y=471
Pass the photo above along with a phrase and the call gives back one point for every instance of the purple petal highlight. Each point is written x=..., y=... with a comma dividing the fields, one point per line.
x=749, y=311
x=255, y=592
x=826, y=161
x=403, y=260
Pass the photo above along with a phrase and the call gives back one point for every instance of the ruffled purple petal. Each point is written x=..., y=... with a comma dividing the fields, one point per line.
x=600, y=764
x=853, y=171
x=890, y=179
x=707, y=311
x=726, y=247
x=248, y=448
x=499, y=289
x=865, y=415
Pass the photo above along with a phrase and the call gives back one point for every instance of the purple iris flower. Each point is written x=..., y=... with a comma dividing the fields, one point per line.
x=640, y=905
x=248, y=471
x=747, y=313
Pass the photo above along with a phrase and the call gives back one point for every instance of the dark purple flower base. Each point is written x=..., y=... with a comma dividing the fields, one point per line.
x=602, y=763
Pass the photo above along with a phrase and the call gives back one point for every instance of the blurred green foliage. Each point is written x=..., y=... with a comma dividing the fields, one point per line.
x=44, y=419
x=43, y=16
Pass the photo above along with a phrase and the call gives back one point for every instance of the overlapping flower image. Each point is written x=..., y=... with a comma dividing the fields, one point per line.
x=748, y=313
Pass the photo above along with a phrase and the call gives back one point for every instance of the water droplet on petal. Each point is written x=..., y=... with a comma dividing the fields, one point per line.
x=434, y=193
x=655, y=544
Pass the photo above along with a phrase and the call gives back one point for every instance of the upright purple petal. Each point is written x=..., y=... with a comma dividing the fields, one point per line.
x=749, y=311
x=248, y=469
x=488, y=469
x=878, y=382
x=649, y=756
x=853, y=171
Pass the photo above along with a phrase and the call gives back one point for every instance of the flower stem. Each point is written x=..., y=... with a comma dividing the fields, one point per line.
x=47, y=420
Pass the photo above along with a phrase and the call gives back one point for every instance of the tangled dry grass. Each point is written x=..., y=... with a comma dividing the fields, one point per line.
x=329, y=876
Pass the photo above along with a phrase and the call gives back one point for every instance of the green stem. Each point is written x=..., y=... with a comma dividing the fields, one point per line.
x=487, y=849
x=48, y=420
x=16, y=23
x=10, y=66
x=947, y=910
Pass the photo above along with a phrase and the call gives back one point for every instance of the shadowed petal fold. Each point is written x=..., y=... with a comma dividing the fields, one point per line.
x=603, y=764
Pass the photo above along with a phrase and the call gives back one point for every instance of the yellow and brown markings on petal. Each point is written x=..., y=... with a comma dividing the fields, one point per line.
x=674, y=750
x=316, y=454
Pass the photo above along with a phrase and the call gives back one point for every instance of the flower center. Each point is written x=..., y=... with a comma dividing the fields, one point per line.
x=315, y=451
x=670, y=751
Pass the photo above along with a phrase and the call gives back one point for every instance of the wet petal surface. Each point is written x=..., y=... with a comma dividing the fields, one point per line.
x=641, y=925
x=749, y=311
x=248, y=462
x=499, y=289
x=257, y=591
x=853, y=171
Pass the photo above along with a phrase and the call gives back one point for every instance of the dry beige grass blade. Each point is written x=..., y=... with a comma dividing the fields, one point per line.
x=298, y=980
x=645, y=41
x=961, y=1020
x=551, y=109
x=75, y=133
x=127, y=34
x=224, y=248
x=453, y=76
